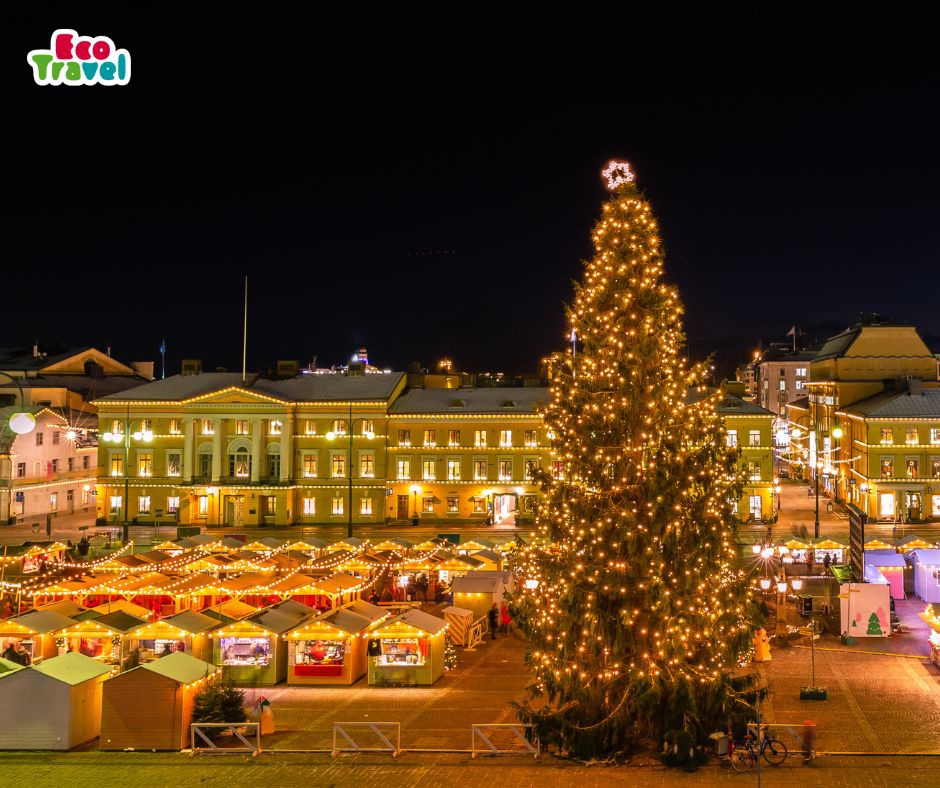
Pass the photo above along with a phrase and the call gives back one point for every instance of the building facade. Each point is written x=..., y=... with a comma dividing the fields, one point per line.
x=749, y=428
x=782, y=378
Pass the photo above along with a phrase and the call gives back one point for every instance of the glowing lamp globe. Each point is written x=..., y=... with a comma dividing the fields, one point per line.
x=797, y=433
x=782, y=586
x=22, y=423
x=70, y=435
x=837, y=433
x=147, y=435
x=532, y=584
x=767, y=552
x=370, y=435
x=137, y=435
x=797, y=583
x=330, y=435
x=765, y=583
x=756, y=548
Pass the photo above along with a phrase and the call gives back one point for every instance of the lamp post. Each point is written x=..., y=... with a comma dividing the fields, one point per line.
x=369, y=434
x=415, y=489
x=145, y=435
x=777, y=489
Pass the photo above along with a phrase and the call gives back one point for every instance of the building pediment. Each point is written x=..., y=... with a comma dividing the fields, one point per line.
x=234, y=395
x=75, y=364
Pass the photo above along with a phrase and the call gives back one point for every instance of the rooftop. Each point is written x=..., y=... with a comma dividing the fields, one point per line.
x=523, y=400
x=899, y=405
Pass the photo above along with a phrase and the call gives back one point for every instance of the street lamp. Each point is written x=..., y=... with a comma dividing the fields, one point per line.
x=125, y=435
x=777, y=490
x=21, y=421
x=368, y=434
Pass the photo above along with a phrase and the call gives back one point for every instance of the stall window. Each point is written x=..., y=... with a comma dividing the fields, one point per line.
x=310, y=506
x=365, y=506
x=255, y=651
x=336, y=505
x=319, y=652
x=427, y=505
x=886, y=503
x=402, y=651
x=453, y=504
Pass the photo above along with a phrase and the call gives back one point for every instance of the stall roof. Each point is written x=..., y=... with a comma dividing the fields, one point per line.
x=877, y=544
x=275, y=622
x=344, y=620
x=63, y=607
x=231, y=541
x=796, y=544
x=123, y=606
x=477, y=585
x=873, y=575
x=927, y=557
x=307, y=544
x=7, y=667
x=192, y=622
x=489, y=555
x=202, y=539
x=881, y=558
x=417, y=619
x=242, y=583
x=182, y=668
x=351, y=542
x=914, y=543
x=233, y=610
x=457, y=612
x=43, y=621
x=72, y=668
x=366, y=609
x=828, y=544
x=154, y=556
x=118, y=621
x=478, y=544
x=272, y=542
x=841, y=572
x=285, y=584
x=290, y=608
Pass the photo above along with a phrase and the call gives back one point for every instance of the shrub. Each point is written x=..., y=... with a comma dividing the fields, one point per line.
x=219, y=702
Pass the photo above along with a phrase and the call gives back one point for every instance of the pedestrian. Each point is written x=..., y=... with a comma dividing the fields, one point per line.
x=505, y=620
x=373, y=597
x=827, y=559
x=494, y=620
x=9, y=652
x=21, y=655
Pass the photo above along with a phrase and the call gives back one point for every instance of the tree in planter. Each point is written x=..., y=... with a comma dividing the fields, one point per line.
x=219, y=702
x=632, y=607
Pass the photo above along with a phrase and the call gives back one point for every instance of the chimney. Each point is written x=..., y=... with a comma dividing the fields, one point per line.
x=143, y=368
x=287, y=368
x=36, y=349
x=915, y=387
x=191, y=366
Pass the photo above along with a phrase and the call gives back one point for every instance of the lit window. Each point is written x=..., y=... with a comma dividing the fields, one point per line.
x=936, y=506
x=453, y=504
x=310, y=466
x=505, y=437
x=479, y=438
x=532, y=465
x=115, y=502
x=887, y=436
x=241, y=426
x=453, y=470
x=336, y=505
x=935, y=467
x=935, y=436
x=172, y=504
x=801, y=372
x=558, y=469
x=143, y=504
x=404, y=468
x=365, y=506
x=404, y=437
x=783, y=384
x=207, y=427
x=755, y=506
x=339, y=427
x=800, y=385
x=117, y=464
x=479, y=470
x=86, y=494
x=367, y=465
x=274, y=427
x=531, y=438
x=887, y=467
x=366, y=427
x=175, y=427
x=145, y=463
x=453, y=437
x=310, y=506
x=429, y=438
x=910, y=437
x=912, y=467
x=53, y=501
x=173, y=463
x=731, y=439
x=427, y=505
x=479, y=505
x=310, y=427
x=753, y=470
x=239, y=464
x=886, y=503
x=754, y=438
x=202, y=506
x=505, y=470
x=338, y=464
x=428, y=470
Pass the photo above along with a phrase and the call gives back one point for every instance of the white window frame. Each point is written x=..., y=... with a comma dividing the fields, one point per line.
x=309, y=506
x=452, y=463
x=365, y=506
x=479, y=439
x=172, y=504
x=143, y=501
x=399, y=464
x=429, y=462
x=337, y=506
x=731, y=439
x=505, y=439
x=751, y=435
x=477, y=477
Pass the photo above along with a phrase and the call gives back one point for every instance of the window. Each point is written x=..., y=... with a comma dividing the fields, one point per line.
x=783, y=384
x=145, y=463
x=367, y=464
x=275, y=426
x=172, y=504
x=453, y=470
x=21, y=470
x=755, y=506
x=239, y=464
x=339, y=427
x=479, y=470
x=404, y=468
x=173, y=463
x=53, y=502
x=558, y=469
x=55, y=437
x=912, y=467
x=753, y=470
x=505, y=470
x=268, y=506
x=801, y=372
x=71, y=462
x=241, y=426
x=336, y=505
x=310, y=427
x=429, y=438
x=208, y=428
x=310, y=466
x=453, y=437
x=117, y=427
x=202, y=505
x=205, y=464
x=887, y=467
x=505, y=437
x=85, y=495
x=365, y=506
x=337, y=464
x=531, y=438
x=274, y=466
x=733, y=503
x=143, y=504
x=935, y=467
x=85, y=462
x=427, y=505
x=886, y=505
x=479, y=506
x=479, y=438
x=366, y=427
x=453, y=504
x=532, y=465
x=175, y=427
x=754, y=438
x=55, y=465
x=428, y=469
x=310, y=506
x=910, y=437
x=39, y=439
x=115, y=503
x=887, y=436
x=936, y=506
x=800, y=385
x=117, y=464
x=935, y=436
x=766, y=384
x=404, y=437
x=731, y=439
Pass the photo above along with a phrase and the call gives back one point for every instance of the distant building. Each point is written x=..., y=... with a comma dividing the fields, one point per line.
x=782, y=378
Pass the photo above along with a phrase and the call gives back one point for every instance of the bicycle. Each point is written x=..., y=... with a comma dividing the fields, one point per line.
x=745, y=756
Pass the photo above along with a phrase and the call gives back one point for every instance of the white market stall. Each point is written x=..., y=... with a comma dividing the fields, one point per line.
x=926, y=574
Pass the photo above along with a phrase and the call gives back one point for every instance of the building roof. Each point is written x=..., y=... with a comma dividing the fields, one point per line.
x=899, y=405
x=878, y=558
x=735, y=406
x=21, y=359
x=72, y=668
x=121, y=606
x=192, y=622
x=502, y=401
x=304, y=388
x=63, y=607
x=182, y=668
x=837, y=345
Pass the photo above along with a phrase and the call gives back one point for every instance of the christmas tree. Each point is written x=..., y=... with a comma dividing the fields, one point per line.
x=450, y=653
x=629, y=597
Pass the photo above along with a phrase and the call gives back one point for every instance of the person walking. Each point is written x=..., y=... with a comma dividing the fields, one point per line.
x=494, y=620
x=505, y=620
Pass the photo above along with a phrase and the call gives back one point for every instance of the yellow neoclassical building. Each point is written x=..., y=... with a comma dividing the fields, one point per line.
x=749, y=427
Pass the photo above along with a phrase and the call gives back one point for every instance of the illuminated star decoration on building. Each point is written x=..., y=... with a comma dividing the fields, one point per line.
x=617, y=173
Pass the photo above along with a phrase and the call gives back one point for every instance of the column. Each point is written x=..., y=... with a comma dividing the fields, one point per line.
x=257, y=430
x=216, y=449
x=287, y=447
x=187, y=468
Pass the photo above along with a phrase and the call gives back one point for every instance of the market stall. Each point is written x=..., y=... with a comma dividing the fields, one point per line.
x=459, y=623
x=828, y=547
x=932, y=616
x=329, y=649
x=478, y=593
x=407, y=649
x=909, y=543
x=891, y=565
x=68, y=609
x=55, y=705
x=151, y=706
x=36, y=632
x=877, y=544
x=186, y=632
x=103, y=639
x=926, y=565
x=798, y=550
x=123, y=605
x=231, y=610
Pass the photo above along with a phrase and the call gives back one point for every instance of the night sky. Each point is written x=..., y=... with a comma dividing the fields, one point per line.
x=432, y=192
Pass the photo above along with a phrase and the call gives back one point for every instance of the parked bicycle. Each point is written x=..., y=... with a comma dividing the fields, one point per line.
x=745, y=754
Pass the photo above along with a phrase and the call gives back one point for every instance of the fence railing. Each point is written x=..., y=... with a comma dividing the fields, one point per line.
x=381, y=743
x=476, y=634
x=200, y=728
x=481, y=733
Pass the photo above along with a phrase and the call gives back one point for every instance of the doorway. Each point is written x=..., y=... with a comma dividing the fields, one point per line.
x=504, y=508
x=402, y=507
x=234, y=510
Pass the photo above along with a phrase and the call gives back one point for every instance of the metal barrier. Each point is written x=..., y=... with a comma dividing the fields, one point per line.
x=376, y=728
x=476, y=732
x=197, y=728
x=477, y=633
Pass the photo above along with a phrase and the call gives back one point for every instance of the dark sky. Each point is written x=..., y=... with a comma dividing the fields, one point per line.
x=432, y=191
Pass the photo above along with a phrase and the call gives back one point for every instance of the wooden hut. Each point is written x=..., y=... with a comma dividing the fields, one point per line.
x=104, y=638
x=459, y=623
x=328, y=649
x=55, y=705
x=186, y=632
x=229, y=611
x=891, y=565
x=151, y=706
x=913, y=543
x=407, y=649
x=877, y=544
x=478, y=594
x=67, y=608
x=37, y=631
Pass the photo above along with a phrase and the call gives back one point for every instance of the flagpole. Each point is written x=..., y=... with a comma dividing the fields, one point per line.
x=163, y=358
x=245, y=335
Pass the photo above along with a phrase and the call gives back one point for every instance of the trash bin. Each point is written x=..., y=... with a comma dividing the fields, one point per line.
x=719, y=741
x=804, y=605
